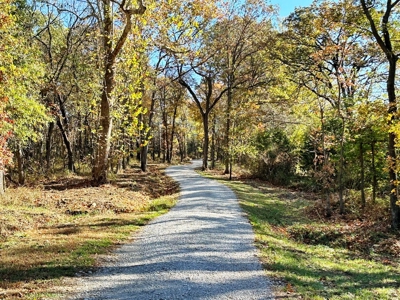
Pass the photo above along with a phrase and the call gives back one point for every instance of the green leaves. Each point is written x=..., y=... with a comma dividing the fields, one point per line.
x=21, y=114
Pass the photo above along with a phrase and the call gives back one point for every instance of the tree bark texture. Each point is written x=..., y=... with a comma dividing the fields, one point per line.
x=110, y=54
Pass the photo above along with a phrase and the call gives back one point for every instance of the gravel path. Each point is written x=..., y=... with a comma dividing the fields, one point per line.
x=202, y=249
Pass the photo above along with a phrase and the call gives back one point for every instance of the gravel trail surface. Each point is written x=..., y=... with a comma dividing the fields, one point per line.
x=201, y=249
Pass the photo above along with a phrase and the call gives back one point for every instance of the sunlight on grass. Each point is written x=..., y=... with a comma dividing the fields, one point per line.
x=49, y=234
x=310, y=271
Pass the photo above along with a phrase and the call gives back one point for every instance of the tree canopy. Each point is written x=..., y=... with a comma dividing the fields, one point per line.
x=308, y=101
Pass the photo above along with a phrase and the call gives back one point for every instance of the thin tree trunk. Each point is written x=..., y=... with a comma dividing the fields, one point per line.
x=165, y=147
x=171, y=144
x=228, y=122
x=395, y=209
x=48, y=145
x=374, y=179
x=185, y=146
x=67, y=145
x=206, y=141
x=153, y=153
x=20, y=165
x=362, y=187
x=145, y=148
x=2, y=182
x=328, y=209
x=181, y=146
x=159, y=142
x=213, y=144
x=341, y=170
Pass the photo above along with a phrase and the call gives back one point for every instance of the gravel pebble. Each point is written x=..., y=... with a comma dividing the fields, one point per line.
x=202, y=249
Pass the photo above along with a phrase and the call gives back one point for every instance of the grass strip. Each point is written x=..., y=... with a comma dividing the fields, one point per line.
x=309, y=271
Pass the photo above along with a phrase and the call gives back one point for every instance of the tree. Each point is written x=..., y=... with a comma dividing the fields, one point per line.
x=335, y=56
x=6, y=24
x=111, y=51
x=61, y=31
x=241, y=35
x=384, y=39
x=23, y=76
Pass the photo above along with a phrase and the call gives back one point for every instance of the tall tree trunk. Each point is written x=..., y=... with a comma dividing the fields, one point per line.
x=180, y=139
x=328, y=209
x=228, y=121
x=67, y=144
x=48, y=145
x=185, y=146
x=362, y=175
x=2, y=182
x=384, y=40
x=63, y=124
x=153, y=153
x=104, y=143
x=145, y=148
x=213, y=143
x=341, y=169
x=103, y=150
x=395, y=209
x=171, y=143
x=206, y=141
x=159, y=142
x=20, y=165
x=165, y=147
x=230, y=170
x=110, y=54
x=374, y=178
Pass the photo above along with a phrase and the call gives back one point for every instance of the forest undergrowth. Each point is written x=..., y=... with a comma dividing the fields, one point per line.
x=309, y=256
x=52, y=229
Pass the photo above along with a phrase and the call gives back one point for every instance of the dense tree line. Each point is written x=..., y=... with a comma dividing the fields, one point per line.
x=88, y=86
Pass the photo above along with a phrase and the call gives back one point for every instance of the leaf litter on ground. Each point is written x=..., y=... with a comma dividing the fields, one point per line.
x=58, y=228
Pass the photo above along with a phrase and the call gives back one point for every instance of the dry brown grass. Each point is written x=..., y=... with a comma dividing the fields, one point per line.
x=61, y=228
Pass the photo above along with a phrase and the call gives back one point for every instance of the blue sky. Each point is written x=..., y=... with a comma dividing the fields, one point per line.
x=286, y=7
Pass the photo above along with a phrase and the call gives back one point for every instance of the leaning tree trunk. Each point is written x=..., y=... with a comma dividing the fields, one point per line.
x=48, y=145
x=68, y=147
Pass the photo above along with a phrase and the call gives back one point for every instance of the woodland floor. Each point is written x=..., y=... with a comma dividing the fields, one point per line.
x=58, y=228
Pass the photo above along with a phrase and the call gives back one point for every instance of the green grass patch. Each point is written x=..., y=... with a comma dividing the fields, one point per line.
x=49, y=234
x=309, y=259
